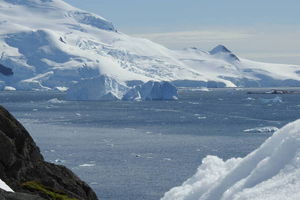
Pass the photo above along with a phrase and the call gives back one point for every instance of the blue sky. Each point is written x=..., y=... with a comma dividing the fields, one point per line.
x=267, y=30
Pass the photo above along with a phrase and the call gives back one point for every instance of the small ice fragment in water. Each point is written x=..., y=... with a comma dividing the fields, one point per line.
x=87, y=165
x=56, y=101
x=250, y=99
x=276, y=99
x=267, y=129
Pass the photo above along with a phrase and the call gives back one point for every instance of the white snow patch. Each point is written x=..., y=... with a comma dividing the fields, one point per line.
x=5, y=187
x=270, y=172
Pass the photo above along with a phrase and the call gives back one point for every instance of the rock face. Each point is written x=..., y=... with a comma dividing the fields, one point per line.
x=23, y=168
x=152, y=90
x=224, y=53
x=18, y=196
x=6, y=71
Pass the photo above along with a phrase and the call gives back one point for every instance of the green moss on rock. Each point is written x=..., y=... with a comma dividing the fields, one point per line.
x=55, y=195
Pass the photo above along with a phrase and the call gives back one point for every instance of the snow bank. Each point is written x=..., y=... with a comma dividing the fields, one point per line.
x=152, y=90
x=98, y=88
x=269, y=173
x=5, y=187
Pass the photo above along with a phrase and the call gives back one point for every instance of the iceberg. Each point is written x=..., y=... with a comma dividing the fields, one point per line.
x=97, y=88
x=105, y=88
x=9, y=88
x=152, y=90
x=270, y=172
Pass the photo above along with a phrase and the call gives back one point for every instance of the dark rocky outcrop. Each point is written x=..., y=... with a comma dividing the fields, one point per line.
x=23, y=168
x=17, y=196
x=6, y=71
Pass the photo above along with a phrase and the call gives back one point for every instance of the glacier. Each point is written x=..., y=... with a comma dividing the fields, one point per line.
x=270, y=172
x=49, y=44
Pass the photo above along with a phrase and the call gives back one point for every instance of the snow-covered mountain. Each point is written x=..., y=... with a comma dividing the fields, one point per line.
x=47, y=44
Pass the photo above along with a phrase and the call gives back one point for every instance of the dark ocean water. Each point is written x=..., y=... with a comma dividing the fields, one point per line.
x=139, y=150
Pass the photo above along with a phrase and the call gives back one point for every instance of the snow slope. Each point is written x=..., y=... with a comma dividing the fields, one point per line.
x=5, y=187
x=271, y=172
x=48, y=44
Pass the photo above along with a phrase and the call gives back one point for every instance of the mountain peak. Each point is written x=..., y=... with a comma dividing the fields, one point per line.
x=219, y=49
x=222, y=51
x=50, y=11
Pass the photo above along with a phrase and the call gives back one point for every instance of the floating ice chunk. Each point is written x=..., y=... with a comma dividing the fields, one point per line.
x=250, y=99
x=152, y=90
x=9, y=88
x=62, y=89
x=276, y=99
x=268, y=173
x=56, y=101
x=88, y=165
x=267, y=129
x=98, y=88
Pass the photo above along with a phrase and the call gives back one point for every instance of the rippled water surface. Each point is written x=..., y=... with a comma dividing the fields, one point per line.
x=139, y=150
